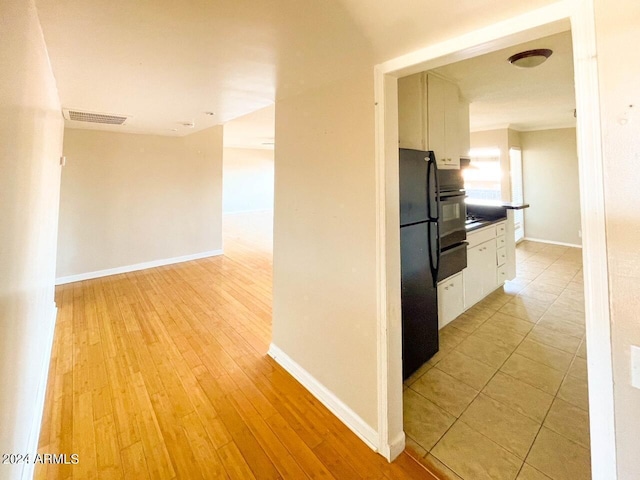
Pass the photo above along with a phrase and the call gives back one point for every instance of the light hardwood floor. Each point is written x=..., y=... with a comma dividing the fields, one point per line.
x=163, y=374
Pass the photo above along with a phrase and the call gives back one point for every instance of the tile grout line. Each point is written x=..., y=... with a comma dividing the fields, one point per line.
x=476, y=396
x=556, y=394
x=467, y=335
x=551, y=406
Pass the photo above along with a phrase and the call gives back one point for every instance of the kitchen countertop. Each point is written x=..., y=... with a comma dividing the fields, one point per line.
x=496, y=203
x=484, y=222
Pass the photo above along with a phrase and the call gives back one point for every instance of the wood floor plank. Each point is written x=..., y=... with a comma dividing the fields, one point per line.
x=153, y=443
x=84, y=439
x=122, y=402
x=234, y=464
x=107, y=451
x=175, y=438
x=267, y=439
x=311, y=465
x=134, y=463
x=335, y=463
x=163, y=374
x=251, y=450
x=65, y=441
x=203, y=450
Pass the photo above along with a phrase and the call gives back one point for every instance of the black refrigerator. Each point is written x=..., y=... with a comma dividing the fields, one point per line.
x=419, y=249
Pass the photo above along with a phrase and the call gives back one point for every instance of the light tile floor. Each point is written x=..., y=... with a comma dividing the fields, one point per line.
x=506, y=395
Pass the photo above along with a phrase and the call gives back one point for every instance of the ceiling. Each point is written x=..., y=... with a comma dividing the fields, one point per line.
x=166, y=64
x=503, y=96
x=395, y=28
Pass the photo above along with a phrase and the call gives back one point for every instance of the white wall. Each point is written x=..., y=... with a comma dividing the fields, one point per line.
x=324, y=239
x=128, y=199
x=247, y=180
x=30, y=147
x=619, y=69
x=551, y=185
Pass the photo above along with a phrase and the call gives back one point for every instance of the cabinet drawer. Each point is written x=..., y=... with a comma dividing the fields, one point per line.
x=501, y=228
x=481, y=236
x=501, y=256
x=502, y=275
x=452, y=260
x=501, y=241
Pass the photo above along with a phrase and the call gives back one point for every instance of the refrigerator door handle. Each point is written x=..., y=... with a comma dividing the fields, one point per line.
x=433, y=198
x=433, y=201
x=434, y=250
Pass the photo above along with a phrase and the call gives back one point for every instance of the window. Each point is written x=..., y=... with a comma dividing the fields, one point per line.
x=483, y=176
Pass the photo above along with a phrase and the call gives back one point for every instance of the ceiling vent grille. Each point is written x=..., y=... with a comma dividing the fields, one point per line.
x=103, y=118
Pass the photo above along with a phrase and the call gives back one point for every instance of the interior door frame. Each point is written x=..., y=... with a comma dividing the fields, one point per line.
x=521, y=180
x=578, y=15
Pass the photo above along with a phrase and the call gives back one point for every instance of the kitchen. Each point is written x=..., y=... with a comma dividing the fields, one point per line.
x=495, y=382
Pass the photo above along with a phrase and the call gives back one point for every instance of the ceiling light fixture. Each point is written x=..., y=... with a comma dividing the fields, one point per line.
x=530, y=58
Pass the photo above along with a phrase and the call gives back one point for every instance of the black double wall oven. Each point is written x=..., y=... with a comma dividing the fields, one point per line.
x=451, y=223
x=433, y=247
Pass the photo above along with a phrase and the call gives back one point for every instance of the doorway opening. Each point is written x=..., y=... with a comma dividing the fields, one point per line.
x=248, y=185
x=510, y=373
x=597, y=318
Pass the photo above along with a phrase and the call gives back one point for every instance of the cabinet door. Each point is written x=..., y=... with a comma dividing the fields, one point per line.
x=450, y=299
x=411, y=127
x=464, y=128
x=473, y=276
x=432, y=116
x=451, y=126
x=489, y=267
x=436, y=93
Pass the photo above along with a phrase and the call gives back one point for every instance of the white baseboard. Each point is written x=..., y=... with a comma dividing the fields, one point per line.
x=347, y=416
x=551, y=242
x=392, y=451
x=138, y=266
x=34, y=432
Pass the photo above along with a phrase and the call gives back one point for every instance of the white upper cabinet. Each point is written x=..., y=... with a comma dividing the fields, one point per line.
x=443, y=125
x=433, y=116
x=411, y=115
x=436, y=135
x=464, y=127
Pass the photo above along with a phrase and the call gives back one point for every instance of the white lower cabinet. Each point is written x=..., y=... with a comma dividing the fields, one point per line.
x=450, y=299
x=479, y=278
x=488, y=267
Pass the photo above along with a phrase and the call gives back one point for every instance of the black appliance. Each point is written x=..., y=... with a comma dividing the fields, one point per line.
x=452, y=209
x=432, y=247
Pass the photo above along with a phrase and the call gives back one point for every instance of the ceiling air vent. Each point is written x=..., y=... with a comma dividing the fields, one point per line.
x=92, y=117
